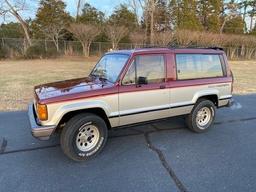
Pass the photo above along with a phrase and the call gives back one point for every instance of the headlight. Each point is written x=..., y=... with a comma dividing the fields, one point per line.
x=42, y=112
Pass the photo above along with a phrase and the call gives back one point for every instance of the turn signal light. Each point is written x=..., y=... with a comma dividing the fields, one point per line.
x=42, y=112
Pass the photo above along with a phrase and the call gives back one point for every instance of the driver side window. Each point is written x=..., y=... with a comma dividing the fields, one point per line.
x=149, y=68
x=129, y=78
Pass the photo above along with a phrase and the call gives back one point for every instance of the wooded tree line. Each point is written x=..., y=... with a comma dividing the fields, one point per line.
x=227, y=23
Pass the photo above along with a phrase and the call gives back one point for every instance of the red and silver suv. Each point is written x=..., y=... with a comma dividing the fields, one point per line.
x=129, y=87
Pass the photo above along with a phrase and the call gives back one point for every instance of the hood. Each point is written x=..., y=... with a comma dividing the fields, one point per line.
x=71, y=89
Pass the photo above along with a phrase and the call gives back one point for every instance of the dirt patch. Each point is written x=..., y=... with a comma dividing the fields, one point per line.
x=17, y=78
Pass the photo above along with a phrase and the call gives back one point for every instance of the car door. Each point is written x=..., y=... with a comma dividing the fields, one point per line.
x=142, y=94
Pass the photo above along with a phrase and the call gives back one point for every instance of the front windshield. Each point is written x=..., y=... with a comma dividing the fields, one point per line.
x=110, y=66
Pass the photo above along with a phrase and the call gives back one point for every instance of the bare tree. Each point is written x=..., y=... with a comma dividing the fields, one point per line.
x=54, y=32
x=85, y=34
x=230, y=11
x=138, y=38
x=14, y=8
x=252, y=13
x=135, y=6
x=115, y=34
x=150, y=8
x=244, y=5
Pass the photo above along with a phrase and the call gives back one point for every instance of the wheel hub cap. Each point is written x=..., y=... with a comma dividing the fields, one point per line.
x=87, y=138
x=203, y=117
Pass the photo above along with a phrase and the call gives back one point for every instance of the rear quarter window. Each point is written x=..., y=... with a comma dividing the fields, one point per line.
x=195, y=66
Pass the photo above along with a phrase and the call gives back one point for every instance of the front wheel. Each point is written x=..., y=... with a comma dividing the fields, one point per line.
x=83, y=137
x=202, y=116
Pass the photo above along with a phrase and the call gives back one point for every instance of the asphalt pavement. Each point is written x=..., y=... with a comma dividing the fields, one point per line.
x=163, y=156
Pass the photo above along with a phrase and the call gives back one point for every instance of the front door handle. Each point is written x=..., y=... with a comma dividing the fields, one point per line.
x=162, y=87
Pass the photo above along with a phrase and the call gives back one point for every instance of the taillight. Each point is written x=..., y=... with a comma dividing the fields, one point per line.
x=42, y=112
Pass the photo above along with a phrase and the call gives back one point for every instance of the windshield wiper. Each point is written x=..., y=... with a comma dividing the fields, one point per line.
x=101, y=78
x=93, y=75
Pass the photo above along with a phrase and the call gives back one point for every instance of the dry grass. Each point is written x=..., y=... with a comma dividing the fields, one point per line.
x=245, y=76
x=17, y=78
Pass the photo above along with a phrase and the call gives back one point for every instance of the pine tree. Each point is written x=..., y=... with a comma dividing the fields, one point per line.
x=162, y=16
x=90, y=15
x=187, y=17
x=122, y=16
x=210, y=12
x=235, y=26
x=51, y=20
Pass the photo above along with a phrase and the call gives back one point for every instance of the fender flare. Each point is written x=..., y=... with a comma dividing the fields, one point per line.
x=204, y=93
x=71, y=107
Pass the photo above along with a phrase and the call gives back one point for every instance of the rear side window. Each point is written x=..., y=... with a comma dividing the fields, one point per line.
x=194, y=66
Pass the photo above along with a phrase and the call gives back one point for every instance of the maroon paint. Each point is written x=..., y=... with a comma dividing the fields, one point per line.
x=87, y=87
x=73, y=89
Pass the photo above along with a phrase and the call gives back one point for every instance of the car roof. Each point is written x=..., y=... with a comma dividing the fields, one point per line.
x=214, y=50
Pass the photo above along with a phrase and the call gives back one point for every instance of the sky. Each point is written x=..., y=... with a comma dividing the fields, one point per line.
x=106, y=6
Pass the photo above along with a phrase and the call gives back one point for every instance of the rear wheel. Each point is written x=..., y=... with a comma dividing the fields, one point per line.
x=202, y=116
x=84, y=136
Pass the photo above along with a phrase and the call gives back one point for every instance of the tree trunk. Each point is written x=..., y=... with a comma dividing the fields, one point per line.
x=114, y=45
x=251, y=23
x=152, y=27
x=25, y=28
x=21, y=21
x=244, y=16
x=232, y=52
x=56, y=43
x=147, y=28
x=242, y=53
x=223, y=25
x=86, y=48
x=78, y=9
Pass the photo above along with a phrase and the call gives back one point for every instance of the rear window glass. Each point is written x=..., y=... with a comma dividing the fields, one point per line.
x=194, y=66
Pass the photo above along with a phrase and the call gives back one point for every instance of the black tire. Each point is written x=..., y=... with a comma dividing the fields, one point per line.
x=75, y=126
x=191, y=119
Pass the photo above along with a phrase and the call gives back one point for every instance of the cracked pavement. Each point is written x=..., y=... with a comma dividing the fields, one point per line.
x=163, y=156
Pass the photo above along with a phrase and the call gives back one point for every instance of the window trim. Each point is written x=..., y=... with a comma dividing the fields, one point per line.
x=133, y=59
x=223, y=66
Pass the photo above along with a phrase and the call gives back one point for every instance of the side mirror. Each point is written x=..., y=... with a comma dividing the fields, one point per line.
x=142, y=81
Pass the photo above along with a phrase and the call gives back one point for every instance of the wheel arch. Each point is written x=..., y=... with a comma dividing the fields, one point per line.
x=211, y=97
x=97, y=111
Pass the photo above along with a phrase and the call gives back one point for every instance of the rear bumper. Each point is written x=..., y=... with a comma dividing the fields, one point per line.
x=38, y=131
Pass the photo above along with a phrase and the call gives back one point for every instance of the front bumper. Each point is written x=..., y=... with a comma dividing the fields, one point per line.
x=230, y=102
x=38, y=131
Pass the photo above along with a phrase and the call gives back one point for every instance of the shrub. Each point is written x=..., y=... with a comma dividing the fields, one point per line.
x=38, y=51
x=35, y=51
x=3, y=52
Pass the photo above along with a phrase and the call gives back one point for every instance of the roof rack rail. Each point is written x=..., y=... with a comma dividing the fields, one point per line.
x=216, y=48
x=175, y=45
x=152, y=46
